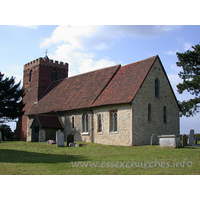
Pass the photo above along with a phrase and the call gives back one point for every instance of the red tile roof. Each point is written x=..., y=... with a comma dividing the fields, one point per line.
x=126, y=83
x=74, y=92
x=113, y=85
x=49, y=121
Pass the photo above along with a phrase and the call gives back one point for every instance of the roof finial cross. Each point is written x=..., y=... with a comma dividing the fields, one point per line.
x=46, y=57
x=46, y=52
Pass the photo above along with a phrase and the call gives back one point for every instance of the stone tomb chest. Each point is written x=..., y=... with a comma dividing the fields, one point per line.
x=170, y=141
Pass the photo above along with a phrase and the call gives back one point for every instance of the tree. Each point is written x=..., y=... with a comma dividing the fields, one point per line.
x=190, y=63
x=7, y=133
x=11, y=105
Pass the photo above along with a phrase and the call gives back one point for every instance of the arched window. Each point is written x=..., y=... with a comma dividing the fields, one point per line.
x=99, y=123
x=73, y=122
x=53, y=75
x=113, y=121
x=149, y=112
x=164, y=115
x=85, y=123
x=156, y=88
x=30, y=75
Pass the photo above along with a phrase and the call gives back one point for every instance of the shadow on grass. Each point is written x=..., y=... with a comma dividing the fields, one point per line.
x=15, y=156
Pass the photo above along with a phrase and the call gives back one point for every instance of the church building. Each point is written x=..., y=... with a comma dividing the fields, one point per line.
x=117, y=105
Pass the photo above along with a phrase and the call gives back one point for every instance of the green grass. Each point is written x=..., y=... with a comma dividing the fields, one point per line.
x=40, y=158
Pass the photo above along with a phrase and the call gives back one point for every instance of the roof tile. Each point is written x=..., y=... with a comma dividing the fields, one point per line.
x=112, y=85
x=49, y=121
x=126, y=83
x=74, y=92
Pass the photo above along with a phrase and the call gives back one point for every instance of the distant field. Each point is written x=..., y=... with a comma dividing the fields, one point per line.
x=40, y=158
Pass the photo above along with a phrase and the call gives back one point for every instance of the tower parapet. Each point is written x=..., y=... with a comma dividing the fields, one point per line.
x=47, y=62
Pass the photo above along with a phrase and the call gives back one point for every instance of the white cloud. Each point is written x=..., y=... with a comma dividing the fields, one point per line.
x=70, y=34
x=174, y=80
x=79, y=62
x=77, y=43
x=90, y=65
x=187, y=46
x=172, y=53
x=28, y=26
x=179, y=39
x=100, y=37
x=175, y=68
x=18, y=78
x=147, y=31
x=16, y=68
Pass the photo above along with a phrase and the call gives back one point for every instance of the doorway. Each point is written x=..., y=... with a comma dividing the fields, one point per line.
x=36, y=134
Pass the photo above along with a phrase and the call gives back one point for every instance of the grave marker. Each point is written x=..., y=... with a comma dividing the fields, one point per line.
x=154, y=139
x=42, y=135
x=184, y=140
x=191, y=137
x=60, y=139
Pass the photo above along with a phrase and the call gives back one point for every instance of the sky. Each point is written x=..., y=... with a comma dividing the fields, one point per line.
x=88, y=48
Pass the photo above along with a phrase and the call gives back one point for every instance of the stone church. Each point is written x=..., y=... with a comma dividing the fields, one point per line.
x=117, y=105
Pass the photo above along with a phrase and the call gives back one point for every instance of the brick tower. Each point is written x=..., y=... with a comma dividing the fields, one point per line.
x=38, y=75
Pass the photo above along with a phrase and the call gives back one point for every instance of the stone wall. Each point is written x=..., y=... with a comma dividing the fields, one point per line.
x=29, y=131
x=123, y=136
x=142, y=128
x=66, y=119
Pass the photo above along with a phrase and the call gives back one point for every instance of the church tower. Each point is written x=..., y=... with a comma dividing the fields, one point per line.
x=38, y=75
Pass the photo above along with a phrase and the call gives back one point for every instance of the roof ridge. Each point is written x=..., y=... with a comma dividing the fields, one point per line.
x=93, y=71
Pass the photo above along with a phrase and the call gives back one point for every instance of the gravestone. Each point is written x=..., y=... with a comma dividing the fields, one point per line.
x=60, y=139
x=0, y=136
x=42, y=135
x=191, y=137
x=196, y=140
x=70, y=139
x=154, y=139
x=184, y=140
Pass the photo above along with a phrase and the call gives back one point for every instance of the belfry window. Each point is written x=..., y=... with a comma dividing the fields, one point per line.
x=30, y=75
x=53, y=75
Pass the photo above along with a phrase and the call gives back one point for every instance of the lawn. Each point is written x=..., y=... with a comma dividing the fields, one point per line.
x=41, y=158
